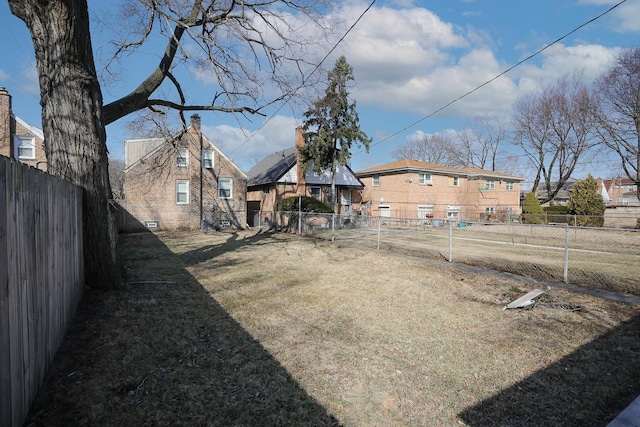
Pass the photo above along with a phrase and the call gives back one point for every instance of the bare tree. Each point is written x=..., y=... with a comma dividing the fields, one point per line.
x=554, y=128
x=480, y=142
x=116, y=178
x=242, y=45
x=618, y=115
x=437, y=149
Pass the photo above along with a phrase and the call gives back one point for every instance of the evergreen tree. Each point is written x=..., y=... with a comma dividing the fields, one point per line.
x=532, y=212
x=331, y=127
x=586, y=203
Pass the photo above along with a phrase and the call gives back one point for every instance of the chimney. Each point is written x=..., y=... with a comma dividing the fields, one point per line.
x=195, y=122
x=6, y=145
x=302, y=184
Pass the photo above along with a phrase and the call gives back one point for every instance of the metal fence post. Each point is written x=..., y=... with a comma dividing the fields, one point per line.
x=333, y=227
x=450, y=241
x=379, y=232
x=566, y=253
x=300, y=215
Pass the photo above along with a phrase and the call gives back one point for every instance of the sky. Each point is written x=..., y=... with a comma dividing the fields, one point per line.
x=409, y=58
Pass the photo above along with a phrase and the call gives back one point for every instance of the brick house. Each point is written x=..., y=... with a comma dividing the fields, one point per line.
x=618, y=192
x=416, y=190
x=18, y=139
x=182, y=183
x=280, y=175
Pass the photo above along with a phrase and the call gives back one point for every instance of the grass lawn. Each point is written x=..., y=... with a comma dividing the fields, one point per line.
x=257, y=328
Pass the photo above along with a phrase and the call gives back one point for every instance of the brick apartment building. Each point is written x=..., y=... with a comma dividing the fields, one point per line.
x=18, y=139
x=417, y=190
x=181, y=183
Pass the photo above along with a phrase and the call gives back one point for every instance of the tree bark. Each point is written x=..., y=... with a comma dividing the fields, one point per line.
x=73, y=124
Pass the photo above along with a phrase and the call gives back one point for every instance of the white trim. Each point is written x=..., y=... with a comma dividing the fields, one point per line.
x=230, y=196
x=182, y=181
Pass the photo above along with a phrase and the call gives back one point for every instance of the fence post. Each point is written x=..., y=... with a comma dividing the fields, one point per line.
x=300, y=215
x=566, y=253
x=450, y=241
x=333, y=227
x=379, y=221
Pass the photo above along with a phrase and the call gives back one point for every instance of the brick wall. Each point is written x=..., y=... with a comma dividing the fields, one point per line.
x=403, y=194
x=11, y=126
x=151, y=182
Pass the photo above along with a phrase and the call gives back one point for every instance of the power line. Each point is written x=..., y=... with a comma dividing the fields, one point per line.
x=304, y=80
x=495, y=77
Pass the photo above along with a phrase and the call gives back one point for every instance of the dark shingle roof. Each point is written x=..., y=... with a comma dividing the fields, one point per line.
x=270, y=169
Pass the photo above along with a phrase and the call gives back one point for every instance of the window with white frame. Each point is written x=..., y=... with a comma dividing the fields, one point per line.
x=224, y=188
x=425, y=212
x=315, y=193
x=182, y=157
x=182, y=192
x=510, y=186
x=455, y=181
x=375, y=180
x=490, y=210
x=207, y=159
x=491, y=184
x=25, y=147
x=424, y=179
x=345, y=196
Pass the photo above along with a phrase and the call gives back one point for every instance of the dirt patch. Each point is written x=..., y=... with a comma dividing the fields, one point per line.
x=257, y=328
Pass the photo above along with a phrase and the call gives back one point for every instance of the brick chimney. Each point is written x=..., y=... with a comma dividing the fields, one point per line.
x=302, y=184
x=6, y=145
x=195, y=122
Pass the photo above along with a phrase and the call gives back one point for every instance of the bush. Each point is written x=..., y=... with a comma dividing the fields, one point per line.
x=309, y=204
x=586, y=203
x=558, y=214
x=532, y=212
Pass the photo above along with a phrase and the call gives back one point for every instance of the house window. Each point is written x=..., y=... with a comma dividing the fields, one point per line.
x=490, y=210
x=224, y=188
x=455, y=181
x=182, y=157
x=182, y=192
x=315, y=192
x=425, y=179
x=25, y=147
x=375, y=180
x=631, y=188
x=510, y=186
x=385, y=211
x=453, y=213
x=425, y=212
x=345, y=196
x=491, y=185
x=207, y=159
x=265, y=191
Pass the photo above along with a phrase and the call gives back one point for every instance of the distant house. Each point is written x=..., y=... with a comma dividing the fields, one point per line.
x=280, y=175
x=18, y=139
x=416, y=190
x=618, y=192
x=561, y=198
x=181, y=183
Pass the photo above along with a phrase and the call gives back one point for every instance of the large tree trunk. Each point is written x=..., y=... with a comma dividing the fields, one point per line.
x=72, y=122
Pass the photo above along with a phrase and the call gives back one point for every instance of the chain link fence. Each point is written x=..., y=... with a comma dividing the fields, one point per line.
x=599, y=257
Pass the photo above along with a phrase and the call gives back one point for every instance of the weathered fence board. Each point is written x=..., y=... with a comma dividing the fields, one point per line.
x=41, y=279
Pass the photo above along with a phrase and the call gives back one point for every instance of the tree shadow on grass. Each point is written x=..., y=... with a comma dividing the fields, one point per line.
x=162, y=352
x=556, y=396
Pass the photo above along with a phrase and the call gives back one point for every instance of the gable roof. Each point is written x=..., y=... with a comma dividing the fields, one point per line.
x=410, y=165
x=137, y=149
x=272, y=168
x=37, y=132
x=275, y=166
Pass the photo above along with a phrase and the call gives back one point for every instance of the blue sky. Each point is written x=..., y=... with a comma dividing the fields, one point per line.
x=410, y=58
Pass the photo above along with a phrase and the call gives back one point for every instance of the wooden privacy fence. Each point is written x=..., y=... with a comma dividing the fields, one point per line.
x=41, y=279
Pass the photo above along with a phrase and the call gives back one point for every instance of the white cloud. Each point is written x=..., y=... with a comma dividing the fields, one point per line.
x=245, y=147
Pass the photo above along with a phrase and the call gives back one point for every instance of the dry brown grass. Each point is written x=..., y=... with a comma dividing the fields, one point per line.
x=273, y=329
